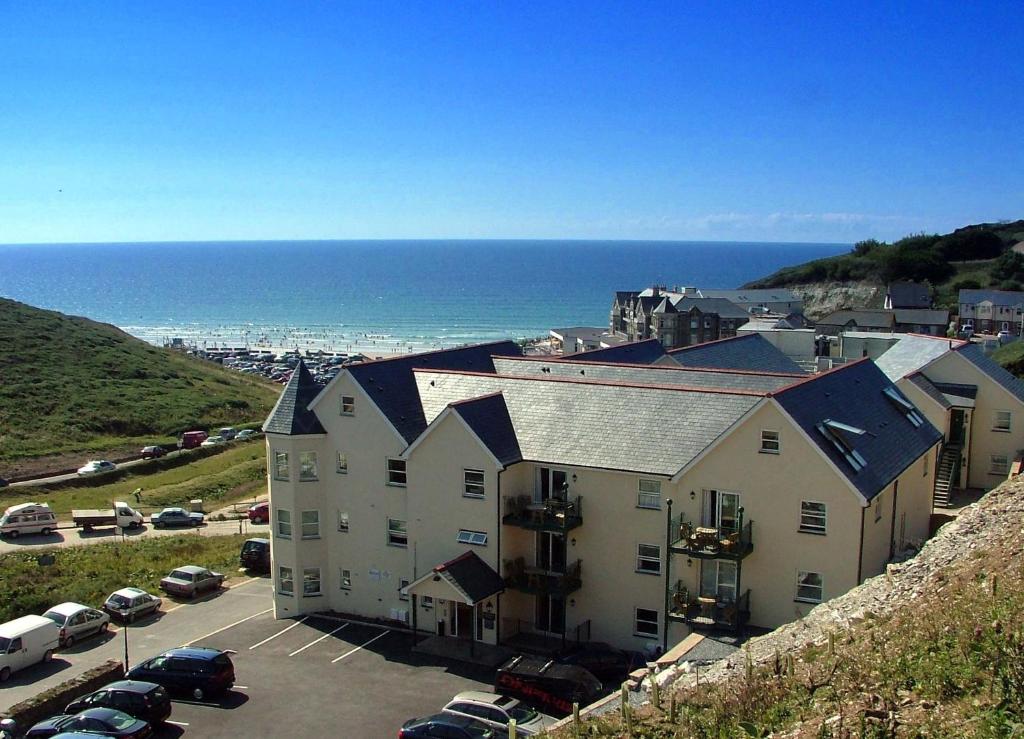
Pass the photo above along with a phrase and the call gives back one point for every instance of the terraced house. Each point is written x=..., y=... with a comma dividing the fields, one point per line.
x=482, y=495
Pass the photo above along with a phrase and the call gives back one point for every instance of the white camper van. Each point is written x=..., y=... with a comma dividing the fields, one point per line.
x=26, y=641
x=27, y=518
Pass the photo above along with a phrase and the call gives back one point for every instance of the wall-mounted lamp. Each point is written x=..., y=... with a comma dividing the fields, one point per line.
x=689, y=562
x=572, y=602
x=693, y=495
x=573, y=541
x=437, y=578
x=574, y=477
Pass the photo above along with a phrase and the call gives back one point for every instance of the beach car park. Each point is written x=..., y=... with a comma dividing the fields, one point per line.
x=76, y=621
x=190, y=580
x=129, y=604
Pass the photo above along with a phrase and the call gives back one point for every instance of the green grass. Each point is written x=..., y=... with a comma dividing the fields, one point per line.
x=69, y=384
x=1011, y=357
x=233, y=474
x=88, y=574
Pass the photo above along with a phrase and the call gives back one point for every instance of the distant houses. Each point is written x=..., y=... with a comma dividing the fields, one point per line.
x=898, y=320
x=991, y=311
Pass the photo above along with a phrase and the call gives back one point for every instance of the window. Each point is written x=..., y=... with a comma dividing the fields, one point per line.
x=903, y=405
x=694, y=323
x=718, y=580
x=402, y=585
x=281, y=466
x=348, y=405
x=770, y=442
x=396, y=472
x=284, y=523
x=1002, y=421
x=648, y=494
x=307, y=466
x=645, y=622
x=311, y=524
x=342, y=465
x=808, y=587
x=878, y=509
x=841, y=435
x=812, y=517
x=648, y=559
x=342, y=521
x=999, y=464
x=473, y=483
x=478, y=538
x=346, y=580
x=427, y=602
x=285, y=581
x=310, y=582
x=397, y=535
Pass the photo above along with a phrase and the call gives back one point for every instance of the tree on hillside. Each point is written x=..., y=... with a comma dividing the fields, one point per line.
x=917, y=259
x=866, y=247
x=1009, y=267
x=968, y=244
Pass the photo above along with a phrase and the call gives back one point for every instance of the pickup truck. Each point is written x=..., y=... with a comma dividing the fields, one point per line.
x=121, y=515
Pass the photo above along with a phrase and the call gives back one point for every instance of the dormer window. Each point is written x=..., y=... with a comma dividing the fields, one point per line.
x=840, y=434
x=903, y=405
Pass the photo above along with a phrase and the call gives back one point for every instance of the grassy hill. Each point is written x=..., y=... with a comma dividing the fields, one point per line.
x=69, y=384
x=974, y=256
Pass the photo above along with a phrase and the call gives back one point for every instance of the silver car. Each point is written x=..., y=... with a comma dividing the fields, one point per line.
x=497, y=710
x=131, y=603
x=190, y=580
x=76, y=621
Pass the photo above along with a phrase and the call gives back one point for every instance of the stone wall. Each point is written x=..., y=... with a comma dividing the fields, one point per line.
x=52, y=702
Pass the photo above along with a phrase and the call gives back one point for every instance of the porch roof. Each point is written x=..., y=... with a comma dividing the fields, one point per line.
x=466, y=578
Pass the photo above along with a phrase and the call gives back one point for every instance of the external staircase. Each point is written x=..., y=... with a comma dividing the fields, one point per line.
x=948, y=472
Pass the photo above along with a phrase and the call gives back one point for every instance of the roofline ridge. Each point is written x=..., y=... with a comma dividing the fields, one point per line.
x=819, y=375
x=680, y=368
x=617, y=346
x=475, y=398
x=737, y=337
x=599, y=381
x=396, y=357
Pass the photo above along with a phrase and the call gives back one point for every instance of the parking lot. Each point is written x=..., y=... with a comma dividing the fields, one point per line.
x=319, y=677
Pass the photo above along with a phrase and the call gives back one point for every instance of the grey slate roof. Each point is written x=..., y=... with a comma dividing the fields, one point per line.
x=489, y=419
x=567, y=422
x=390, y=383
x=853, y=395
x=929, y=389
x=912, y=352
x=909, y=295
x=761, y=295
x=693, y=377
x=973, y=354
x=924, y=317
x=749, y=352
x=472, y=576
x=720, y=306
x=862, y=318
x=291, y=414
x=636, y=352
x=996, y=297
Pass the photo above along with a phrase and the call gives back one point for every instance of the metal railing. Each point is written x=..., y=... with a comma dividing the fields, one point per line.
x=711, y=541
x=551, y=514
x=539, y=581
x=708, y=612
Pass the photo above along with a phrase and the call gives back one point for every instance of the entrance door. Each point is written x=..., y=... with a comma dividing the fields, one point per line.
x=550, y=615
x=957, y=427
x=463, y=621
x=552, y=484
x=718, y=580
x=551, y=553
x=722, y=510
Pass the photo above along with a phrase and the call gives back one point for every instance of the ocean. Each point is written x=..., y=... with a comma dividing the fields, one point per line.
x=357, y=295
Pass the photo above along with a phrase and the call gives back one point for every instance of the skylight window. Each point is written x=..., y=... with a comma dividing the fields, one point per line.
x=903, y=405
x=839, y=433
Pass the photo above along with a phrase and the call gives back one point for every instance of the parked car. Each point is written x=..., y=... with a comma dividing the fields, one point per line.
x=497, y=710
x=96, y=467
x=153, y=452
x=192, y=439
x=28, y=518
x=139, y=699
x=255, y=555
x=191, y=580
x=176, y=517
x=447, y=725
x=77, y=621
x=214, y=441
x=3, y=483
x=26, y=641
x=550, y=686
x=260, y=512
x=603, y=661
x=196, y=671
x=102, y=721
x=246, y=434
x=129, y=604
x=227, y=433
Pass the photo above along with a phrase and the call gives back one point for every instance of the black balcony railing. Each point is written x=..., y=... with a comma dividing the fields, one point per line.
x=552, y=514
x=539, y=581
x=708, y=612
x=711, y=542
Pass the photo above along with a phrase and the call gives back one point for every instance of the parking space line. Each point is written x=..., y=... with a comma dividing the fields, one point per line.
x=175, y=723
x=206, y=598
x=364, y=644
x=317, y=641
x=287, y=628
x=225, y=628
x=241, y=687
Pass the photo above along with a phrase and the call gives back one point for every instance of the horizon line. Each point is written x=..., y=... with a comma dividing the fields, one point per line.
x=422, y=240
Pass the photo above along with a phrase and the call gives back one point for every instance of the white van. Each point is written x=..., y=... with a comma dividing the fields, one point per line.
x=26, y=641
x=27, y=518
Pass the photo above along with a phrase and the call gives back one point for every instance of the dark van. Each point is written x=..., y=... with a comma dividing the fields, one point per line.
x=255, y=555
x=546, y=684
x=192, y=439
x=196, y=671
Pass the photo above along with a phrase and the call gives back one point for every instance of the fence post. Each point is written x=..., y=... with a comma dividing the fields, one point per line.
x=576, y=719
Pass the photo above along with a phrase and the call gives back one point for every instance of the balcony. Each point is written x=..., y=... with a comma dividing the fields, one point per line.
x=552, y=514
x=538, y=581
x=711, y=542
x=703, y=613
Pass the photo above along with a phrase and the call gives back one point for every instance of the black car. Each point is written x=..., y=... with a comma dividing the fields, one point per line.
x=448, y=726
x=196, y=671
x=603, y=661
x=103, y=721
x=255, y=555
x=546, y=684
x=147, y=701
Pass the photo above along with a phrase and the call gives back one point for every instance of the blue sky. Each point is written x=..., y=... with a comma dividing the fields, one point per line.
x=771, y=121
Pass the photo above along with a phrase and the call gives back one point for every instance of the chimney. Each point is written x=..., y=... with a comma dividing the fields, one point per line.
x=655, y=290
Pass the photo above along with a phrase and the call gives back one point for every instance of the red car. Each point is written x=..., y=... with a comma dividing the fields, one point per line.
x=153, y=452
x=259, y=513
